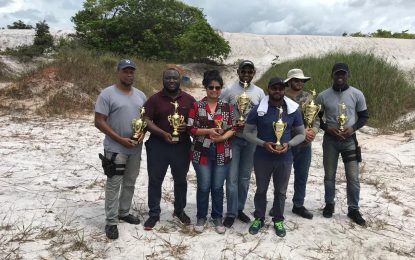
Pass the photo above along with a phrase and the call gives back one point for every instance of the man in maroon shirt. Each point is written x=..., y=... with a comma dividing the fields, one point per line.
x=163, y=151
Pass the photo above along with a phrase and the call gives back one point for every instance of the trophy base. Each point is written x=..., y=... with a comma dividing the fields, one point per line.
x=278, y=147
x=134, y=141
x=175, y=139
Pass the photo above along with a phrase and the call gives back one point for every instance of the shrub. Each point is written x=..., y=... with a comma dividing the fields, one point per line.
x=388, y=92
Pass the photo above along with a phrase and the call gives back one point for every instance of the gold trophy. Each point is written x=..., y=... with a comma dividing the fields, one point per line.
x=138, y=126
x=342, y=117
x=175, y=121
x=243, y=101
x=218, y=123
x=310, y=110
x=279, y=128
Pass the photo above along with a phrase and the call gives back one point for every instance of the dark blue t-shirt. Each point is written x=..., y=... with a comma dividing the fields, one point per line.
x=266, y=131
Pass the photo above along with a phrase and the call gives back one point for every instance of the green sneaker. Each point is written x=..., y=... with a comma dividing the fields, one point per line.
x=256, y=226
x=279, y=228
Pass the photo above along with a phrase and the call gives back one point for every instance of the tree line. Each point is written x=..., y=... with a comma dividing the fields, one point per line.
x=152, y=29
x=383, y=34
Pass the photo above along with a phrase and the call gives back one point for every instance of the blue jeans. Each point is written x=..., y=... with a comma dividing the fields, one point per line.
x=301, y=163
x=210, y=179
x=332, y=147
x=237, y=182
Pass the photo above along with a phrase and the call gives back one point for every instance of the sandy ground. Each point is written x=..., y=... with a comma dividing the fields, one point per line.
x=52, y=187
x=52, y=204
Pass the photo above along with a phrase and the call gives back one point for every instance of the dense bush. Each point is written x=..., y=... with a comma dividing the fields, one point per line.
x=388, y=92
x=384, y=34
x=19, y=24
x=154, y=29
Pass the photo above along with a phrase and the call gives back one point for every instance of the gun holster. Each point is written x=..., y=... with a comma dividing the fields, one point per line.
x=110, y=167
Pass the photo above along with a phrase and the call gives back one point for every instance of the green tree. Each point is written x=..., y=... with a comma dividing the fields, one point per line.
x=148, y=28
x=358, y=34
x=196, y=42
x=43, y=39
x=381, y=34
x=19, y=24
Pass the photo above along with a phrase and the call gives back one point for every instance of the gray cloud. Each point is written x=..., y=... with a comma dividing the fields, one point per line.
x=4, y=3
x=308, y=17
x=72, y=4
x=29, y=14
x=50, y=18
x=261, y=16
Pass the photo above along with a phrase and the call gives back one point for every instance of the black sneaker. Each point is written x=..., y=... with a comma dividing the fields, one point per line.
x=182, y=217
x=302, y=212
x=243, y=217
x=328, y=210
x=130, y=219
x=355, y=215
x=151, y=222
x=111, y=231
x=228, y=222
x=279, y=228
x=256, y=226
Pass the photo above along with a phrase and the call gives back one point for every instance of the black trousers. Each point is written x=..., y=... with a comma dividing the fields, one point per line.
x=280, y=172
x=161, y=155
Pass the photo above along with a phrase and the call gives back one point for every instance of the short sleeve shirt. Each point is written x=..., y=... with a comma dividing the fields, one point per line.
x=120, y=109
x=330, y=100
x=159, y=106
x=266, y=130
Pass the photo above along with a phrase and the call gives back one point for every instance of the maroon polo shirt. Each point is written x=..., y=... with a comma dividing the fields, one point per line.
x=159, y=106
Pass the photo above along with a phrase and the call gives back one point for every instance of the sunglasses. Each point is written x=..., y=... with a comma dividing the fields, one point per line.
x=217, y=88
x=298, y=80
x=250, y=72
x=277, y=87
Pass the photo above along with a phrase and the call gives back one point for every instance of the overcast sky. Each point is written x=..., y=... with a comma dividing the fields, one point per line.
x=324, y=17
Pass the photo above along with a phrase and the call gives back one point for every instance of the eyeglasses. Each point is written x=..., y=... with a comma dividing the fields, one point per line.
x=217, y=88
x=250, y=72
x=295, y=80
x=277, y=88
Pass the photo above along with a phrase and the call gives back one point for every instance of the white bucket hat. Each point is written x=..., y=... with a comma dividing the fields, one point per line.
x=297, y=74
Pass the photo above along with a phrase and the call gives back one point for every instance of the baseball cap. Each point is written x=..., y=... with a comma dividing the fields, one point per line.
x=340, y=67
x=126, y=63
x=246, y=63
x=275, y=80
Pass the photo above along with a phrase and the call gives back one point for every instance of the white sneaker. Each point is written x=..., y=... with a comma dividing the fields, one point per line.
x=219, y=227
x=200, y=225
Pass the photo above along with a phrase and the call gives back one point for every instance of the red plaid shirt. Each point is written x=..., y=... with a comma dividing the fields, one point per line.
x=200, y=116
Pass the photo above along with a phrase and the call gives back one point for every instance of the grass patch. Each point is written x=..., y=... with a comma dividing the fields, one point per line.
x=388, y=92
x=92, y=71
x=70, y=84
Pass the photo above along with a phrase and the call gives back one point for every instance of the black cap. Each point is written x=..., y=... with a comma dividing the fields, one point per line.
x=275, y=80
x=340, y=67
x=126, y=63
x=246, y=63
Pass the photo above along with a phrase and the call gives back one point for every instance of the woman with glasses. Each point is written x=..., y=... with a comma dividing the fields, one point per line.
x=211, y=123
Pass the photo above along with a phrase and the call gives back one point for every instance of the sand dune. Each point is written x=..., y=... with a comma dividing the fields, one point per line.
x=52, y=187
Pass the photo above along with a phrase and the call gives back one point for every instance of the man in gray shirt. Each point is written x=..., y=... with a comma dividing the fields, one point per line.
x=237, y=181
x=342, y=140
x=116, y=107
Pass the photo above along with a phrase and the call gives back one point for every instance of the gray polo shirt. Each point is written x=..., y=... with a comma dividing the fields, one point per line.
x=232, y=92
x=120, y=109
x=330, y=100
